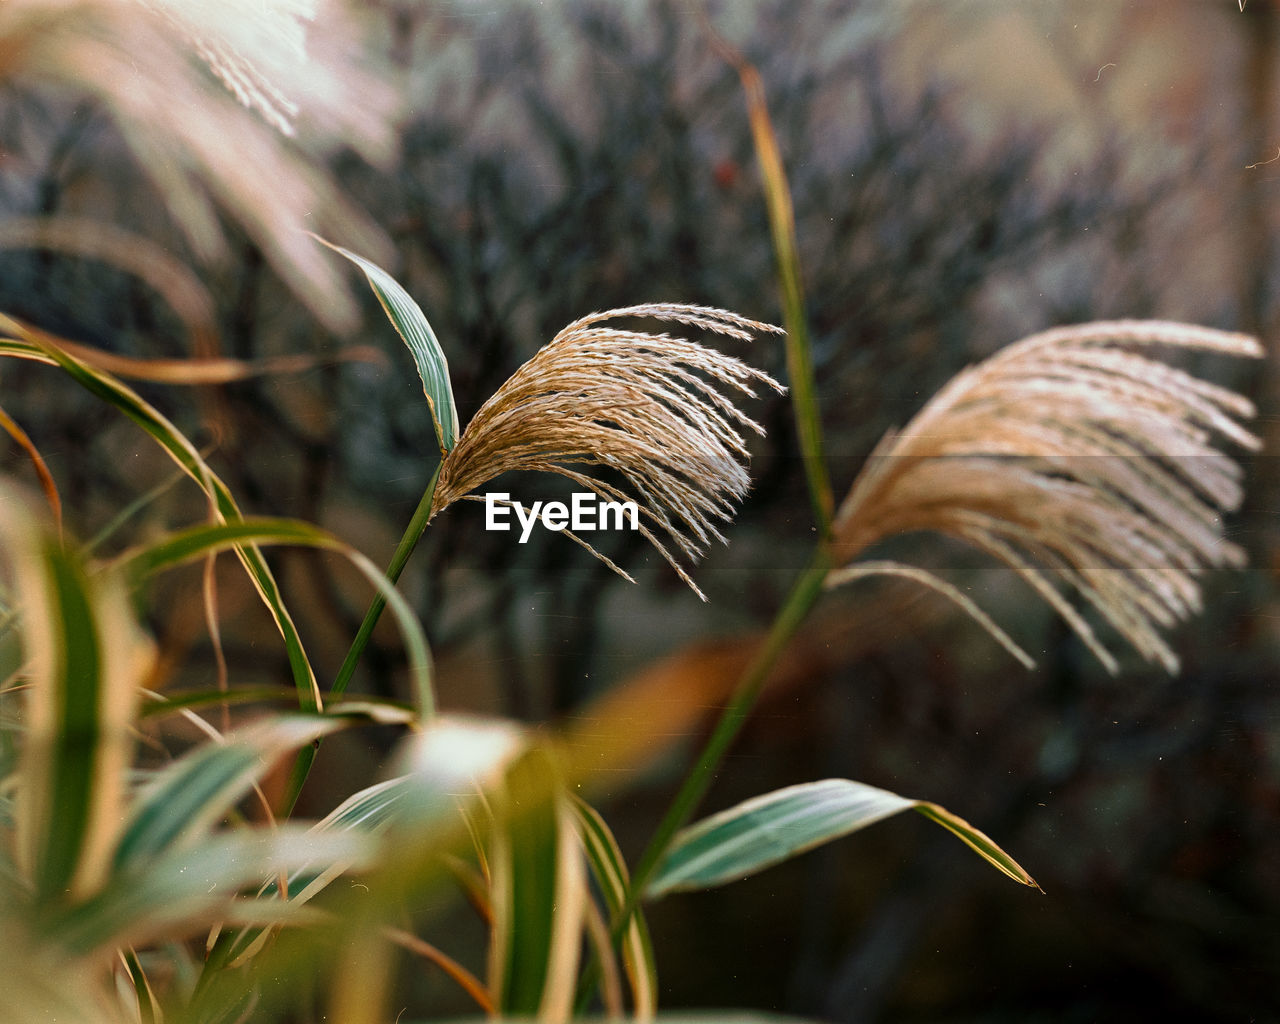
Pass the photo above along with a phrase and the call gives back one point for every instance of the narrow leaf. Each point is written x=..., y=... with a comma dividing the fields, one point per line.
x=36, y=345
x=415, y=331
x=610, y=870
x=449, y=758
x=782, y=227
x=769, y=829
x=539, y=893
x=198, y=541
x=84, y=654
x=185, y=800
x=184, y=891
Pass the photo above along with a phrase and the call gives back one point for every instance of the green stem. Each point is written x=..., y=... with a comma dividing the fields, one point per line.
x=412, y=534
x=804, y=594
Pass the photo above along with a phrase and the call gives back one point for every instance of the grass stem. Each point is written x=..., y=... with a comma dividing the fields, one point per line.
x=408, y=541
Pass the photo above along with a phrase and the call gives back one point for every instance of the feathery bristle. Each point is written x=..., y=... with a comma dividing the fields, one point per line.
x=1073, y=459
x=650, y=407
x=250, y=46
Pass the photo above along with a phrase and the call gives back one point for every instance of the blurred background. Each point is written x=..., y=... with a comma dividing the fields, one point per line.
x=963, y=173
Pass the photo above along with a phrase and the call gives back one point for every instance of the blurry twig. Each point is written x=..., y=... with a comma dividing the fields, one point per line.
x=47, y=483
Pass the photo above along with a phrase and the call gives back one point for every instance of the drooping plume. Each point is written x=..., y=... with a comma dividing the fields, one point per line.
x=652, y=408
x=1080, y=464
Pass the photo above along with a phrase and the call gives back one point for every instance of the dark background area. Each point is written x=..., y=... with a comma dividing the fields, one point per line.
x=963, y=174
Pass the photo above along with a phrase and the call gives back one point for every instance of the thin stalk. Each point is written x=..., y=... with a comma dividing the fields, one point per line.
x=808, y=587
x=408, y=541
x=782, y=226
x=804, y=594
x=412, y=534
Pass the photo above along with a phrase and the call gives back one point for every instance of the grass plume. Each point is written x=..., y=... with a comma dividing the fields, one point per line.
x=1076, y=461
x=650, y=407
x=147, y=63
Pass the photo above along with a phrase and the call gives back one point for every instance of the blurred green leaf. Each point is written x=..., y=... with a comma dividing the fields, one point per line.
x=610, y=871
x=415, y=331
x=539, y=892
x=449, y=759
x=194, y=793
x=769, y=829
x=182, y=892
x=82, y=652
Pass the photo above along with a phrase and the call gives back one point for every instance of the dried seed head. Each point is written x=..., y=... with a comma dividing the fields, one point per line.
x=650, y=407
x=250, y=47
x=1073, y=460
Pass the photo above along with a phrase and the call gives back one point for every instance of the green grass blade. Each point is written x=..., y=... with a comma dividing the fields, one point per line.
x=539, y=893
x=84, y=653
x=448, y=758
x=769, y=829
x=416, y=333
x=148, y=1010
x=33, y=344
x=198, y=541
x=369, y=812
x=189, y=797
x=187, y=889
x=610, y=871
x=782, y=227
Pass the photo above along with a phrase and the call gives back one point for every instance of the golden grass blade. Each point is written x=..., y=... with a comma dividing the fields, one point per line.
x=467, y=981
x=47, y=484
x=140, y=256
x=881, y=567
x=1081, y=464
x=185, y=372
x=782, y=228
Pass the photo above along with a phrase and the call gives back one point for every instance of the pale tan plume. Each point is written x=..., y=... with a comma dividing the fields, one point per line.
x=147, y=63
x=652, y=408
x=1086, y=467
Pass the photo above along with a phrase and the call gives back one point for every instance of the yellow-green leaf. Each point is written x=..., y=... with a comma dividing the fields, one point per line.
x=769, y=829
x=415, y=331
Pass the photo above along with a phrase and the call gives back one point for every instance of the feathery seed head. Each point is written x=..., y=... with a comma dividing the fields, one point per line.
x=1070, y=456
x=650, y=407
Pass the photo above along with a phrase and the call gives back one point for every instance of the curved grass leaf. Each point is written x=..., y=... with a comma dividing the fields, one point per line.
x=83, y=653
x=198, y=541
x=163, y=704
x=415, y=331
x=610, y=872
x=181, y=803
x=182, y=892
x=26, y=342
x=769, y=829
x=539, y=893
x=449, y=758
